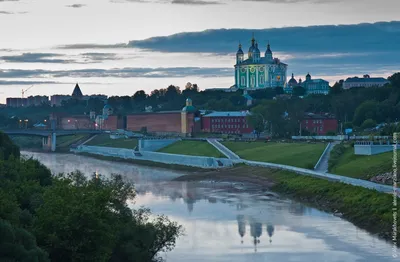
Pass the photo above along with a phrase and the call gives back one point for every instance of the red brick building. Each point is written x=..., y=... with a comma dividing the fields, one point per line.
x=226, y=123
x=176, y=122
x=113, y=123
x=319, y=124
x=70, y=122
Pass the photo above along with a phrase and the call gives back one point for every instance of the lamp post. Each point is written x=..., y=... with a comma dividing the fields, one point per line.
x=26, y=123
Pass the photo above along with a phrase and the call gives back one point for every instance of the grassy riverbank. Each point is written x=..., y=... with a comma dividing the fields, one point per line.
x=303, y=155
x=362, y=167
x=106, y=141
x=192, y=148
x=367, y=209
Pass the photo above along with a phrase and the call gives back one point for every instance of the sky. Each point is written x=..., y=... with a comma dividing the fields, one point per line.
x=40, y=27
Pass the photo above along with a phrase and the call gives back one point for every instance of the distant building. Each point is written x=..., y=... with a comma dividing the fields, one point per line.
x=319, y=124
x=77, y=93
x=30, y=101
x=249, y=99
x=38, y=100
x=234, y=122
x=258, y=72
x=315, y=86
x=365, y=81
x=181, y=122
x=72, y=122
x=100, y=97
x=16, y=102
x=221, y=89
x=56, y=100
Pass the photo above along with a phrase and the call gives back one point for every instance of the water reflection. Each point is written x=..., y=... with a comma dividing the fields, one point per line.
x=232, y=222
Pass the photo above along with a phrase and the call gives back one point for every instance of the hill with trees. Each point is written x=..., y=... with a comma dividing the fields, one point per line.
x=70, y=217
x=357, y=108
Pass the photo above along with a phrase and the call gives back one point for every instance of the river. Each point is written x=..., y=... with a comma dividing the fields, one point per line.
x=235, y=222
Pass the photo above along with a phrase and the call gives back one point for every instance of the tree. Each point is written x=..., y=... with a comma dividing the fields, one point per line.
x=336, y=89
x=395, y=80
x=368, y=123
x=7, y=147
x=17, y=244
x=140, y=96
x=298, y=91
x=279, y=90
x=367, y=110
x=96, y=224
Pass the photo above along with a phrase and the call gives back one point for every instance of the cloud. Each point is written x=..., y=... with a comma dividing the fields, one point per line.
x=2, y=82
x=201, y=2
x=35, y=58
x=118, y=73
x=177, y=2
x=97, y=57
x=92, y=46
x=315, y=39
x=76, y=5
x=83, y=58
x=194, y=2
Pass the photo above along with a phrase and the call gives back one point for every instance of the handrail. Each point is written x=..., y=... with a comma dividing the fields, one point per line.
x=323, y=154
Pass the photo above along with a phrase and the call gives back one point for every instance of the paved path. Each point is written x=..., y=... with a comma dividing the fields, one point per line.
x=323, y=164
x=320, y=172
x=223, y=149
x=327, y=176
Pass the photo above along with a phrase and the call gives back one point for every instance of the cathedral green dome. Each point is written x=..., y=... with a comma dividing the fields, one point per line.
x=240, y=51
x=189, y=108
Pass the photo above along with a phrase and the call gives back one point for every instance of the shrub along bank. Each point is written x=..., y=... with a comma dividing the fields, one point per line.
x=70, y=217
x=367, y=209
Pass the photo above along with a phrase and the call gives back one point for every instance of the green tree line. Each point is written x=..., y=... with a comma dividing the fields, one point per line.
x=69, y=217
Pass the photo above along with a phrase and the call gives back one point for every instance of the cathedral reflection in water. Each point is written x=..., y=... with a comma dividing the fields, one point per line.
x=256, y=229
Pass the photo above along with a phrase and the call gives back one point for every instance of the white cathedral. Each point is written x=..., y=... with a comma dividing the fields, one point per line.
x=258, y=72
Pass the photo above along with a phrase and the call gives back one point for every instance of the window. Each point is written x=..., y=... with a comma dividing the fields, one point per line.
x=261, y=79
x=243, y=81
x=252, y=81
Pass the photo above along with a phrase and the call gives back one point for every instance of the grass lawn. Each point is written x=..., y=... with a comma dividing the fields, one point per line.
x=105, y=140
x=64, y=142
x=294, y=154
x=192, y=148
x=363, y=167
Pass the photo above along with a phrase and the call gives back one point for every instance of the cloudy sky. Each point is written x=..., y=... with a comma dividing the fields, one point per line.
x=32, y=32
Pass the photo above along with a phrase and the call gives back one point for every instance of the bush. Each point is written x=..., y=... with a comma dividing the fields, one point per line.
x=369, y=123
x=331, y=133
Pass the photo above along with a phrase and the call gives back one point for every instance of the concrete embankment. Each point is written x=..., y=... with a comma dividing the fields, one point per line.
x=213, y=163
x=185, y=160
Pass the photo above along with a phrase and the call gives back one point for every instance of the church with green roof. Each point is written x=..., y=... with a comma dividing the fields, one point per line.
x=258, y=72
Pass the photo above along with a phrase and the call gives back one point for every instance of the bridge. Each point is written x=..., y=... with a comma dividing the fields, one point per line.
x=49, y=140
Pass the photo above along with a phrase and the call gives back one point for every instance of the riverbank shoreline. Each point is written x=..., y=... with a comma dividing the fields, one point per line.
x=367, y=209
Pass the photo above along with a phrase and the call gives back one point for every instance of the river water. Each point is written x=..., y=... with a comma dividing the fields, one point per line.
x=235, y=222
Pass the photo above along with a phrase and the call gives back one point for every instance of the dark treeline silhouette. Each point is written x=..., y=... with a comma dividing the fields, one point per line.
x=70, y=217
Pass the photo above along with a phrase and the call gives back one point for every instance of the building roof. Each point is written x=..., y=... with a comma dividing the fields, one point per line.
x=366, y=80
x=228, y=113
x=77, y=91
x=315, y=81
x=319, y=116
x=262, y=60
x=189, y=109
